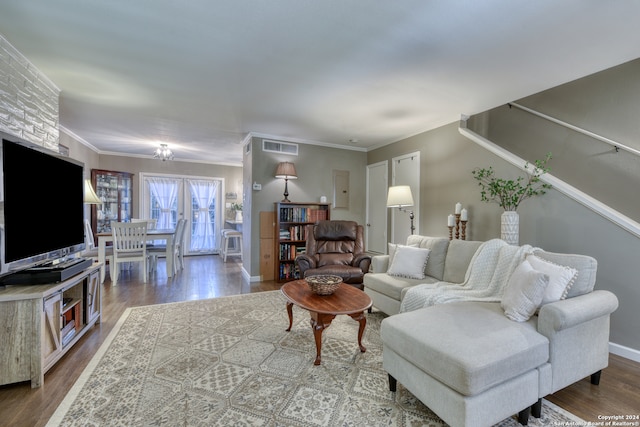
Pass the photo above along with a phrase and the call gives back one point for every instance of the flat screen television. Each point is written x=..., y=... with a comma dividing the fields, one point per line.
x=41, y=205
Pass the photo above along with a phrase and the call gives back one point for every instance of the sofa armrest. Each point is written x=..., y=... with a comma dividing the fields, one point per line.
x=362, y=261
x=578, y=332
x=380, y=263
x=304, y=263
x=570, y=312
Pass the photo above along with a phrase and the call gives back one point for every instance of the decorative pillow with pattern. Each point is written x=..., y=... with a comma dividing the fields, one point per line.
x=524, y=292
x=561, y=278
x=408, y=261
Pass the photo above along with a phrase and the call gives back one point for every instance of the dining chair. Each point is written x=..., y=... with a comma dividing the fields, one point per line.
x=181, y=243
x=129, y=245
x=151, y=222
x=176, y=249
x=91, y=250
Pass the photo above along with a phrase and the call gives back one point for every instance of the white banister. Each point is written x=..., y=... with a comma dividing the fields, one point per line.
x=606, y=140
x=600, y=208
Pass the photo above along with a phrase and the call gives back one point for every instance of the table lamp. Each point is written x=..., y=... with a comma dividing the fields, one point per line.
x=286, y=171
x=90, y=196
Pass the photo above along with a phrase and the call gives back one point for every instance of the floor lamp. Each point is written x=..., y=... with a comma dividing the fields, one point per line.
x=400, y=197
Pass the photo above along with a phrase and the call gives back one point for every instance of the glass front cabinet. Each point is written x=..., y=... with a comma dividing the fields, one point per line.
x=115, y=191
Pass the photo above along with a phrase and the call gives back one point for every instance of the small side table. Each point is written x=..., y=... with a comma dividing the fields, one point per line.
x=324, y=308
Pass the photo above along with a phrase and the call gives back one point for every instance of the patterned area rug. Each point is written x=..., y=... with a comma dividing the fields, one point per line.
x=229, y=362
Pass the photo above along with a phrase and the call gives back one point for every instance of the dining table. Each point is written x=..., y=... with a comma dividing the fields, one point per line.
x=153, y=234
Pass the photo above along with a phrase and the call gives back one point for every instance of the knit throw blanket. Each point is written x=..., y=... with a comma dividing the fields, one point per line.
x=485, y=280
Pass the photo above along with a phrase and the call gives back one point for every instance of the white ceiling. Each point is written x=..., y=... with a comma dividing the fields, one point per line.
x=201, y=75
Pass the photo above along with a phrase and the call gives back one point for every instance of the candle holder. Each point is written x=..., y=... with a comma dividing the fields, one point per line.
x=456, y=222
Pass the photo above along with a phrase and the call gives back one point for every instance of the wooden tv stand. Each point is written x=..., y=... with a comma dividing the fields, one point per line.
x=40, y=323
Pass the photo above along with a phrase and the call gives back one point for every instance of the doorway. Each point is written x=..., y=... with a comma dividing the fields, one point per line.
x=167, y=198
x=376, y=222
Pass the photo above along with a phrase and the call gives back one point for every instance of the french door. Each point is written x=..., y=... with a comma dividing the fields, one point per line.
x=168, y=198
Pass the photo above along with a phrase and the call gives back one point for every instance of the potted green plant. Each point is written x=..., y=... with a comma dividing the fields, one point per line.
x=510, y=193
x=237, y=208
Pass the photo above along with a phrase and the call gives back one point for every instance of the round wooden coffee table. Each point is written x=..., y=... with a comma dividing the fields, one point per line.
x=324, y=308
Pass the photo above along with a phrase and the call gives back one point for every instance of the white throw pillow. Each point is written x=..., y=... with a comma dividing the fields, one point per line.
x=561, y=278
x=408, y=261
x=524, y=292
x=392, y=250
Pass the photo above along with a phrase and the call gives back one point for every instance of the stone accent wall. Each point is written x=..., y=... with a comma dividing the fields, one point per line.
x=29, y=101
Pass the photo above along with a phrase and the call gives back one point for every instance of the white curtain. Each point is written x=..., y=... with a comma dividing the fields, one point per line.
x=203, y=237
x=165, y=190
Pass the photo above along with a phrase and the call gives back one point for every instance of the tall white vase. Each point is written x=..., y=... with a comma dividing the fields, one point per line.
x=510, y=227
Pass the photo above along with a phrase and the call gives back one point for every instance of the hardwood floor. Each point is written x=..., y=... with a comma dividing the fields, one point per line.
x=208, y=277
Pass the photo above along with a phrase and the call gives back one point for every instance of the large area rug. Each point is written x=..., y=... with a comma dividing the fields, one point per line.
x=229, y=362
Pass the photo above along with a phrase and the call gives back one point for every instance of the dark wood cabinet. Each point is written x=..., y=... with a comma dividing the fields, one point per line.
x=115, y=190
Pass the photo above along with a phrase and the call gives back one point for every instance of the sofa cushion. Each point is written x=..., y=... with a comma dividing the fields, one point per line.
x=438, y=247
x=469, y=346
x=458, y=258
x=561, y=278
x=586, y=266
x=524, y=292
x=392, y=286
x=409, y=262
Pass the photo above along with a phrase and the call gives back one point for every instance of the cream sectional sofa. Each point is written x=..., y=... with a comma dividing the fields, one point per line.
x=448, y=262
x=465, y=359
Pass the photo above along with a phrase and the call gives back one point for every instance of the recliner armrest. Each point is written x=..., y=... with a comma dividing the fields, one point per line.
x=362, y=261
x=570, y=312
x=380, y=263
x=304, y=263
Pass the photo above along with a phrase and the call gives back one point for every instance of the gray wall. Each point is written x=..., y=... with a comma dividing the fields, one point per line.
x=314, y=166
x=135, y=165
x=446, y=161
x=92, y=160
x=553, y=222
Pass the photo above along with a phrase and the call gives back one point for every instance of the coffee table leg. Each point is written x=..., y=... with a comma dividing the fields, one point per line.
x=290, y=313
x=320, y=322
x=362, y=319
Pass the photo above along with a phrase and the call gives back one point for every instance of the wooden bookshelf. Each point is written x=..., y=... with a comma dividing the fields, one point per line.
x=290, y=234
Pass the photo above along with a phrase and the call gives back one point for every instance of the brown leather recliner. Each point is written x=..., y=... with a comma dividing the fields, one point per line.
x=336, y=248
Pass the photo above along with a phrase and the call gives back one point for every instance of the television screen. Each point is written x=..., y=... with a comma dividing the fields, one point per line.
x=42, y=205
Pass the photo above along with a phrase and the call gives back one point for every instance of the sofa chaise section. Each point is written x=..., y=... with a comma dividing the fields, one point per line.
x=474, y=366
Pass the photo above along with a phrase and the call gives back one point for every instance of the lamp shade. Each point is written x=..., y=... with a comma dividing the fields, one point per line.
x=399, y=196
x=286, y=170
x=90, y=196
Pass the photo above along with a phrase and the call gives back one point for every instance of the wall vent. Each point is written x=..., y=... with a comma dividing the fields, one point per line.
x=280, y=147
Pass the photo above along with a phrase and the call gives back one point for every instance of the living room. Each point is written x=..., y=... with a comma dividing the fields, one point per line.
x=603, y=103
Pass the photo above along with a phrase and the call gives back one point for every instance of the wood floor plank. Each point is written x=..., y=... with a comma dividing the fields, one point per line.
x=208, y=277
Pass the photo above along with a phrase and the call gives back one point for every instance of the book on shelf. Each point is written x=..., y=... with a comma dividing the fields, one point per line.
x=302, y=214
x=288, y=272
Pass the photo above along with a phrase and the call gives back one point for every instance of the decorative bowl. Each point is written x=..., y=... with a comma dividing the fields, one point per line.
x=323, y=285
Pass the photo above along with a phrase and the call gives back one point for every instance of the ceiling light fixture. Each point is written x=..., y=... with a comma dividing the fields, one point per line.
x=163, y=153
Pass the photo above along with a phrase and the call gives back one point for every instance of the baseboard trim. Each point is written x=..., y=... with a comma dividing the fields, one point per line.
x=249, y=278
x=626, y=352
